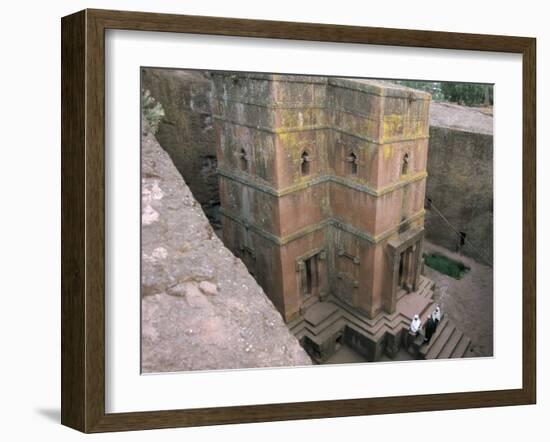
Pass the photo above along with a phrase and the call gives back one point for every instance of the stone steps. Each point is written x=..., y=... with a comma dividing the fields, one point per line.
x=322, y=320
x=394, y=326
x=401, y=293
x=425, y=287
x=331, y=330
x=338, y=319
x=375, y=329
x=305, y=326
x=366, y=322
x=447, y=342
x=425, y=283
x=426, y=291
x=450, y=346
x=320, y=313
x=462, y=347
x=318, y=330
x=443, y=334
x=343, y=318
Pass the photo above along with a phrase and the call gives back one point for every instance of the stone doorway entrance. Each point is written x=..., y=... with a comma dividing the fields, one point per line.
x=311, y=270
x=406, y=268
x=311, y=276
x=405, y=253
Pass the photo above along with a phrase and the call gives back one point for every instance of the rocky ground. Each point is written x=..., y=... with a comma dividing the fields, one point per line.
x=201, y=309
x=469, y=119
x=468, y=301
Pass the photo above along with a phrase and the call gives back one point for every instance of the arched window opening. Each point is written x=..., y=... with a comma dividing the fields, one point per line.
x=405, y=165
x=243, y=160
x=353, y=163
x=304, y=163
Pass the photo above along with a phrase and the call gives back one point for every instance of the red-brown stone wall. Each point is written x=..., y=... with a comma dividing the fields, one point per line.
x=354, y=207
x=249, y=204
x=349, y=215
x=266, y=266
x=304, y=208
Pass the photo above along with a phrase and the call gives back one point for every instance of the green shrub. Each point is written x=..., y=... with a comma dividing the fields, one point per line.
x=468, y=94
x=447, y=266
x=151, y=110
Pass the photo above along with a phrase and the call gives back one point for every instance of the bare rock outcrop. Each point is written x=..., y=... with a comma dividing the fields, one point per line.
x=462, y=118
x=201, y=309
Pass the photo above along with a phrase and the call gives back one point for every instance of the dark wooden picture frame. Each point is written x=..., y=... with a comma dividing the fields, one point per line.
x=83, y=220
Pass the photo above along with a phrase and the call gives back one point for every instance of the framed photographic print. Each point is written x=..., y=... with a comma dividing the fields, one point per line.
x=271, y=220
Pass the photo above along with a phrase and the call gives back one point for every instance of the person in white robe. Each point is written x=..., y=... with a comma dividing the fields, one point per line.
x=416, y=325
x=436, y=315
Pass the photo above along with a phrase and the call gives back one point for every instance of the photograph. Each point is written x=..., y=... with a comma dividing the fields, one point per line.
x=255, y=222
x=292, y=220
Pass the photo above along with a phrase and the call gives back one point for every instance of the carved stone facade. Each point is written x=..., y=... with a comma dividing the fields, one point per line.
x=322, y=184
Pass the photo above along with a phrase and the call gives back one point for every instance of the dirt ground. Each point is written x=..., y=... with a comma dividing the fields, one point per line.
x=467, y=301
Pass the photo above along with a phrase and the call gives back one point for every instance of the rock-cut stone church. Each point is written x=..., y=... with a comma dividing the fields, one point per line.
x=322, y=186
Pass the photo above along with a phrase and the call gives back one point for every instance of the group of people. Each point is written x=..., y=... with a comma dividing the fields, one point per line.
x=429, y=327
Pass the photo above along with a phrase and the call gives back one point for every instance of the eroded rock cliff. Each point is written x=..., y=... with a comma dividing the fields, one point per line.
x=201, y=309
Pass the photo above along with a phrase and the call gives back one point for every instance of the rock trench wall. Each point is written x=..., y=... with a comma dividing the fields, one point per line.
x=186, y=132
x=201, y=309
x=460, y=182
